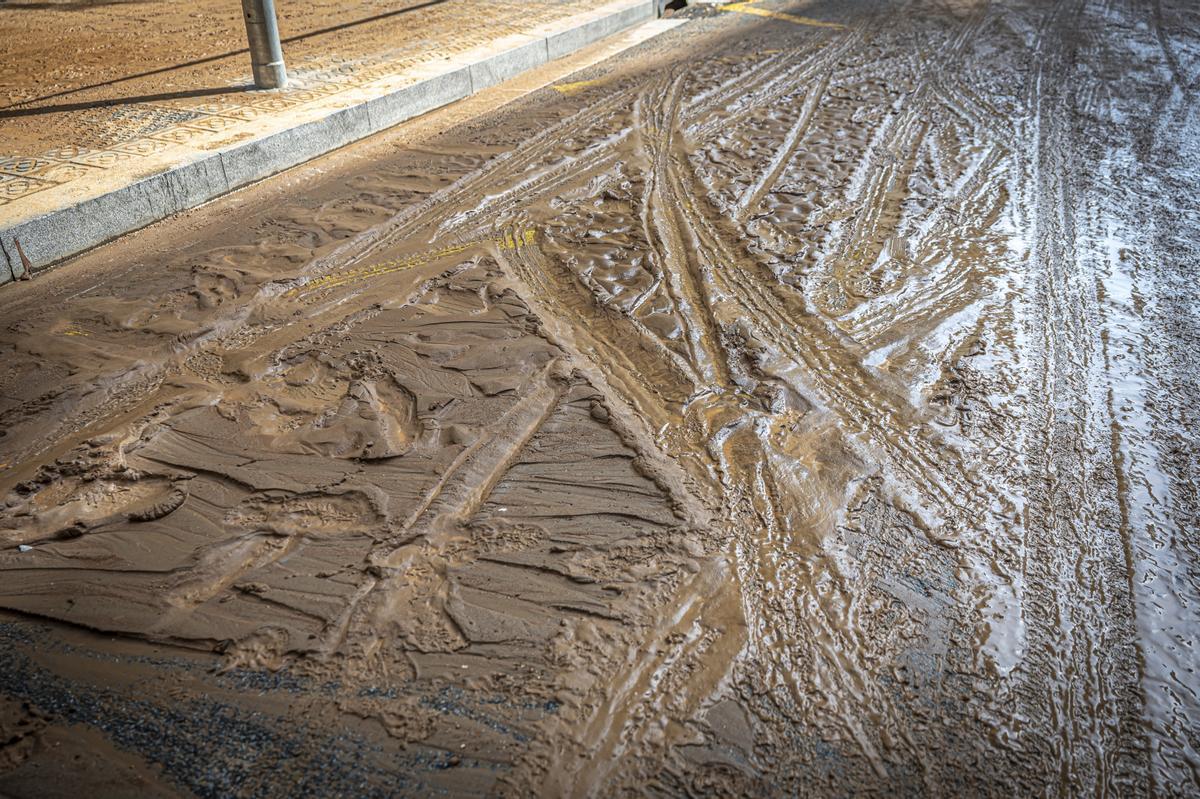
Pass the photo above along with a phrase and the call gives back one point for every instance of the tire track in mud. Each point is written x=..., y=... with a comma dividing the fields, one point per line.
x=835, y=304
x=1077, y=603
x=786, y=148
x=689, y=195
x=1092, y=249
x=840, y=390
x=688, y=198
x=666, y=237
x=689, y=649
x=391, y=597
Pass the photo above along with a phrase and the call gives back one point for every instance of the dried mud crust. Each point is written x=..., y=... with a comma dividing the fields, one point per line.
x=782, y=424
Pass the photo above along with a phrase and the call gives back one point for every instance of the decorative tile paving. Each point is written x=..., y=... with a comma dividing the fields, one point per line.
x=66, y=172
x=14, y=188
x=211, y=123
x=280, y=103
x=141, y=147
x=22, y=165
x=140, y=130
x=179, y=135
x=217, y=107
x=244, y=113
x=66, y=152
x=105, y=159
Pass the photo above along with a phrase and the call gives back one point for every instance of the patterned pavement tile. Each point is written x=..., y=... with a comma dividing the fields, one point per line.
x=141, y=147
x=23, y=165
x=14, y=188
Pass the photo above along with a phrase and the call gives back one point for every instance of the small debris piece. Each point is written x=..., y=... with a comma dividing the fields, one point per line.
x=28, y=267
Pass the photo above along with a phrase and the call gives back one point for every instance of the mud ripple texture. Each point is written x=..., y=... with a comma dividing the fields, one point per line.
x=780, y=411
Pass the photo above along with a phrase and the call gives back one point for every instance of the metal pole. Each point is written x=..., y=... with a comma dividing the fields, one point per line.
x=266, y=54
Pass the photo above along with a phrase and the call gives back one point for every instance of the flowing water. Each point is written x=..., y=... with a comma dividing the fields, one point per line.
x=783, y=409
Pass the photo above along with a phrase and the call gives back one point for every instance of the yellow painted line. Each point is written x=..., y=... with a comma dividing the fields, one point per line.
x=375, y=270
x=577, y=86
x=747, y=8
x=336, y=279
x=511, y=242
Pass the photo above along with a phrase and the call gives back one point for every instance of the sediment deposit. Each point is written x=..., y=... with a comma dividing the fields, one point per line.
x=779, y=410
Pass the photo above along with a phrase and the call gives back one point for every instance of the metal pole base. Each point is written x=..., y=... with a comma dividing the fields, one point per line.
x=266, y=54
x=270, y=76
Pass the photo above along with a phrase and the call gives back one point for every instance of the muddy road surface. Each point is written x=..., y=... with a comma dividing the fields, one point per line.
x=804, y=402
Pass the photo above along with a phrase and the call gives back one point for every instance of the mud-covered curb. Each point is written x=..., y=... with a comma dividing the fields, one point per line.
x=51, y=237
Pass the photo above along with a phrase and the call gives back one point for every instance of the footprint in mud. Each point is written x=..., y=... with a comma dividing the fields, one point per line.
x=308, y=514
x=21, y=730
x=75, y=506
x=273, y=525
x=265, y=648
x=374, y=420
x=314, y=409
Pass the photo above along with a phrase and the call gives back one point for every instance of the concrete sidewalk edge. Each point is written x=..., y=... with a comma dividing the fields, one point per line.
x=59, y=234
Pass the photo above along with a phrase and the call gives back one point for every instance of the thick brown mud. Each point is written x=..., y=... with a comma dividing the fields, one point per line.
x=778, y=409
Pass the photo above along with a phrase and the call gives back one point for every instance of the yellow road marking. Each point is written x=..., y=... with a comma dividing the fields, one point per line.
x=747, y=8
x=387, y=267
x=331, y=281
x=576, y=87
x=510, y=242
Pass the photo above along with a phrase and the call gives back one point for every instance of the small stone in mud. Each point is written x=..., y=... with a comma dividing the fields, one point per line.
x=68, y=533
x=599, y=412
